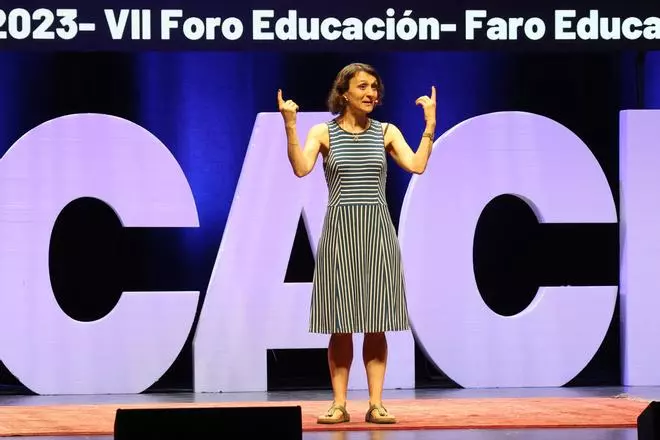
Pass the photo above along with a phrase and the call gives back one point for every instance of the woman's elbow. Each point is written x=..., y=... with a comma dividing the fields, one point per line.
x=301, y=171
x=417, y=169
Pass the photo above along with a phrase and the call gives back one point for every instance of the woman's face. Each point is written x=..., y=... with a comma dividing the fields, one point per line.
x=362, y=93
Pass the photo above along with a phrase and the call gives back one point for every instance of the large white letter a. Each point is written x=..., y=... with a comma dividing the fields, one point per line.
x=248, y=307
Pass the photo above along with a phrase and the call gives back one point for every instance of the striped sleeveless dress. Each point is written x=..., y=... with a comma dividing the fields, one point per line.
x=358, y=284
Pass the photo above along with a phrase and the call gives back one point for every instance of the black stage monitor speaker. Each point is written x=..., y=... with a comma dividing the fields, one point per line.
x=280, y=422
x=648, y=423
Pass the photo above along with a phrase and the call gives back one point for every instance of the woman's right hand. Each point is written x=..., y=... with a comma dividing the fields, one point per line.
x=288, y=109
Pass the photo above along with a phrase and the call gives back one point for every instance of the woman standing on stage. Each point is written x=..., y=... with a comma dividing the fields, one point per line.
x=358, y=284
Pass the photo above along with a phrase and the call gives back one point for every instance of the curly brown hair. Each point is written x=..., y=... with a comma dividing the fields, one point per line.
x=336, y=102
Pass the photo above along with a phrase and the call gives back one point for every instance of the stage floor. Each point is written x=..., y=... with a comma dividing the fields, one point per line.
x=648, y=393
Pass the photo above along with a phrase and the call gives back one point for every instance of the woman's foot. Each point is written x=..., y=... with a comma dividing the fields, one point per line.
x=335, y=414
x=378, y=414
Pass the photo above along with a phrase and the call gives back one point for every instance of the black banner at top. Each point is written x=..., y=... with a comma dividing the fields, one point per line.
x=331, y=25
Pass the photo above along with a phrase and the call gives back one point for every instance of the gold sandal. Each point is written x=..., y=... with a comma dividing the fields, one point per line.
x=329, y=419
x=382, y=416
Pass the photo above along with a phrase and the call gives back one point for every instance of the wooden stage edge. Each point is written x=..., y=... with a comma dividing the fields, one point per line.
x=412, y=414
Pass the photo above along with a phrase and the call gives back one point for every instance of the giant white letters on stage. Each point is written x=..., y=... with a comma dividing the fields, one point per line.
x=248, y=308
x=125, y=166
x=640, y=246
x=546, y=165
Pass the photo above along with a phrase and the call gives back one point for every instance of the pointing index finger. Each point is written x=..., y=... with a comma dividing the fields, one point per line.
x=433, y=93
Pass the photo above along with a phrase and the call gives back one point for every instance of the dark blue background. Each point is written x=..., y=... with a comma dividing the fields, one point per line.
x=447, y=11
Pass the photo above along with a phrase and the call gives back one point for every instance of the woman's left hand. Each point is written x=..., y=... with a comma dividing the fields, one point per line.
x=428, y=104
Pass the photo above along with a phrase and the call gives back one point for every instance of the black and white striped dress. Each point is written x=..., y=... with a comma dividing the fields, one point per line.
x=358, y=284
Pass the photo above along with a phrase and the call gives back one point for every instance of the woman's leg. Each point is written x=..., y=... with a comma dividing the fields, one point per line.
x=340, y=358
x=374, y=353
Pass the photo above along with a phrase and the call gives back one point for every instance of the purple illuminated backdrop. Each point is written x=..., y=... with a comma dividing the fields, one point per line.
x=248, y=306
